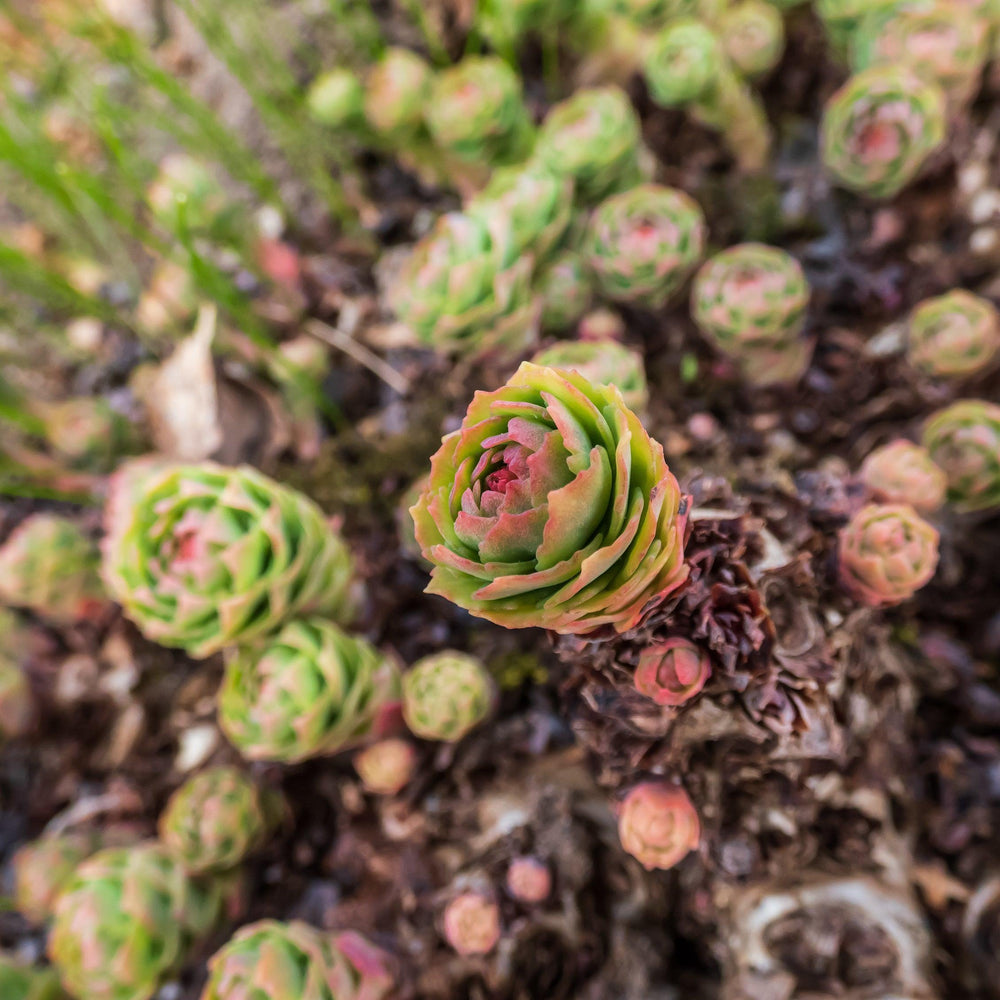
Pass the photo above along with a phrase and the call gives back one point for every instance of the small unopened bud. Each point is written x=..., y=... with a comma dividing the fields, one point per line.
x=386, y=767
x=529, y=880
x=472, y=924
x=903, y=472
x=672, y=672
x=658, y=824
x=445, y=695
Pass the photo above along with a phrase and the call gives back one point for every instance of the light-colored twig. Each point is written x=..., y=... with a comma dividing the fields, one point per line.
x=344, y=342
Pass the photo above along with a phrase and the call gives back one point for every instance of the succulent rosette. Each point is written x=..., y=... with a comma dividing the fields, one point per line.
x=658, y=825
x=564, y=288
x=964, y=440
x=953, y=335
x=672, y=672
x=603, y=362
x=445, y=695
x=17, y=706
x=386, y=767
x=753, y=36
x=879, y=129
x=309, y=691
x=335, y=98
x=682, y=63
x=22, y=982
x=943, y=42
x=594, y=138
x=552, y=507
x=203, y=557
x=127, y=919
x=887, y=553
x=466, y=288
x=537, y=204
x=472, y=924
x=49, y=566
x=43, y=868
x=268, y=960
x=85, y=431
x=643, y=244
x=216, y=819
x=477, y=112
x=903, y=472
x=396, y=92
x=750, y=302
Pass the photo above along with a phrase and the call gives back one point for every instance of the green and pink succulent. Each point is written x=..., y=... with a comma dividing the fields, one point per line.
x=564, y=287
x=672, y=672
x=953, y=335
x=336, y=98
x=753, y=36
x=44, y=867
x=446, y=695
x=903, y=472
x=658, y=825
x=602, y=362
x=964, y=440
x=397, y=90
x=471, y=923
x=387, y=766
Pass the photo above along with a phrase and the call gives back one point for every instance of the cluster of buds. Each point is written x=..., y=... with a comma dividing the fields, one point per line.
x=903, y=472
x=466, y=288
x=657, y=824
x=563, y=285
x=672, y=672
x=753, y=36
x=336, y=98
x=203, y=557
x=879, y=129
x=293, y=961
x=887, y=553
x=603, y=362
x=686, y=66
x=446, y=695
x=43, y=868
x=397, y=90
x=477, y=113
x=529, y=880
x=552, y=507
x=17, y=706
x=216, y=819
x=22, y=982
x=750, y=301
x=592, y=137
x=49, y=566
x=953, y=335
x=472, y=924
x=386, y=767
x=126, y=919
x=643, y=244
x=964, y=440
x=309, y=691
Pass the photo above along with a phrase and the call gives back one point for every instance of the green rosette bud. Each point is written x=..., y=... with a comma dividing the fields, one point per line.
x=49, y=566
x=879, y=129
x=21, y=982
x=594, y=138
x=446, y=695
x=17, y=706
x=964, y=440
x=269, y=960
x=43, y=868
x=536, y=204
x=203, y=557
x=126, y=920
x=335, y=98
x=750, y=302
x=217, y=819
x=642, y=245
x=753, y=37
x=603, y=362
x=565, y=290
x=85, y=432
x=466, y=289
x=903, y=472
x=942, y=42
x=887, y=553
x=552, y=507
x=953, y=335
x=310, y=691
x=477, y=113
x=396, y=92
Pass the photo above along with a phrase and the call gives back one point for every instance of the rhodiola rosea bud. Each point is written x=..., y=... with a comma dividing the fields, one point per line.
x=335, y=98
x=203, y=556
x=887, y=553
x=643, y=244
x=386, y=767
x=529, y=880
x=552, y=507
x=43, y=868
x=396, y=93
x=964, y=440
x=445, y=695
x=50, y=567
x=293, y=961
x=216, y=819
x=879, y=129
x=602, y=362
x=472, y=924
x=309, y=691
x=750, y=301
x=657, y=824
x=753, y=36
x=17, y=706
x=953, y=335
x=672, y=672
x=903, y=472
